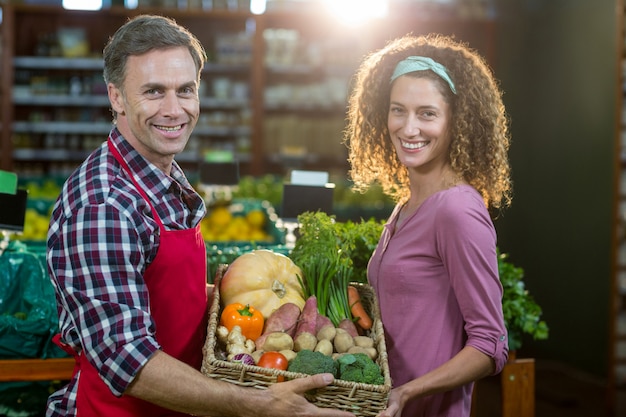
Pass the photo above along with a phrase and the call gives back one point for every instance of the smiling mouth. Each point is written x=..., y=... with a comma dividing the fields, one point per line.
x=169, y=128
x=413, y=145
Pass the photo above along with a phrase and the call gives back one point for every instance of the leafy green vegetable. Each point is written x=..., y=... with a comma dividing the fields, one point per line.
x=521, y=313
x=358, y=240
x=327, y=269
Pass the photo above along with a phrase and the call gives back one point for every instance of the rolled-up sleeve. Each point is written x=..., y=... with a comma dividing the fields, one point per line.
x=97, y=260
x=468, y=246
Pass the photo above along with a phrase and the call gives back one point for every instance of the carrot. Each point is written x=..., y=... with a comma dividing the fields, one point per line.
x=358, y=311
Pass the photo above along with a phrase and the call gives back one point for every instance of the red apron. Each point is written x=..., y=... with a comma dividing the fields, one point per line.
x=176, y=281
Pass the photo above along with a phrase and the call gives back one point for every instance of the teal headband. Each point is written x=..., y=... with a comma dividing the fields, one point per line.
x=422, y=63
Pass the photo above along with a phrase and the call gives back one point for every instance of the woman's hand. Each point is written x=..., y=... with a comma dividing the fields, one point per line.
x=395, y=404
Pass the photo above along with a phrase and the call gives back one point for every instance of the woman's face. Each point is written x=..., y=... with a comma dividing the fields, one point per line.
x=418, y=123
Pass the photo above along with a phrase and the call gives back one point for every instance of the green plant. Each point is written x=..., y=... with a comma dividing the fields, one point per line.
x=358, y=241
x=522, y=315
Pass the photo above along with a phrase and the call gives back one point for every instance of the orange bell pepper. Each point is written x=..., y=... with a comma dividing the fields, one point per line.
x=247, y=317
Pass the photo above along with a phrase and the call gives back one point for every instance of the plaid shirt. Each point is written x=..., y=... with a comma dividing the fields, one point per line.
x=102, y=237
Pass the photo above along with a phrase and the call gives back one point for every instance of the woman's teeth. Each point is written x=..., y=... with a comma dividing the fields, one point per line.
x=413, y=145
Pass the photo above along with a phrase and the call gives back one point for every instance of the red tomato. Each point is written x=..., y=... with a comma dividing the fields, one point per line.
x=274, y=360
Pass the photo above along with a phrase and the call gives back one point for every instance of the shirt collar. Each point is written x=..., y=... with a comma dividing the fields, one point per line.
x=147, y=175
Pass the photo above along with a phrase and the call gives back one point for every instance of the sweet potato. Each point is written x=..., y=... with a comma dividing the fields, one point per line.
x=308, y=318
x=322, y=321
x=349, y=326
x=283, y=319
x=260, y=341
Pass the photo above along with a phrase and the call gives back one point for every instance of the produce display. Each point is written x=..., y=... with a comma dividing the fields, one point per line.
x=222, y=224
x=243, y=219
x=35, y=226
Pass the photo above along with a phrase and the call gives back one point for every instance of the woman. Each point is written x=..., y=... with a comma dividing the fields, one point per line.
x=426, y=121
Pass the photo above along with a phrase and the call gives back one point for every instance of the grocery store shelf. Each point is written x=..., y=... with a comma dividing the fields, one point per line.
x=27, y=154
x=62, y=127
x=36, y=369
x=61, y=100
x=47, y=63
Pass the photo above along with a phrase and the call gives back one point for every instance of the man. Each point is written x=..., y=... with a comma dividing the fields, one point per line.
x=126, y=256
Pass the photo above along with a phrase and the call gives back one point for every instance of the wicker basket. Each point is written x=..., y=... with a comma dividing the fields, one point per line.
x=360, y=399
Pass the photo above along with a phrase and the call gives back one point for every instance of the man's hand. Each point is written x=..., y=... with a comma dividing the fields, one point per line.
x=288, y=399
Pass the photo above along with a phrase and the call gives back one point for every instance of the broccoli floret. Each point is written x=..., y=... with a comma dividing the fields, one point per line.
x=358, y=367
x=311, y=363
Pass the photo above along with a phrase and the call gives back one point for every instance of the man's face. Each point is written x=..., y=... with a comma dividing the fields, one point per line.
x=158, y=105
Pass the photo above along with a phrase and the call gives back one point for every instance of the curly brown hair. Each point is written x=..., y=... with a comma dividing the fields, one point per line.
x=479, y=124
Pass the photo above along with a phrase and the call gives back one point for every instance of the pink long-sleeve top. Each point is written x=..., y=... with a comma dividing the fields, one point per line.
x=436, y=279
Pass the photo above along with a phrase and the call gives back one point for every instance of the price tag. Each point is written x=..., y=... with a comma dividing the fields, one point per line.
x=298, y=199
x=8, y=182
x=319, y=178
x=13, y=210
x=219, y=173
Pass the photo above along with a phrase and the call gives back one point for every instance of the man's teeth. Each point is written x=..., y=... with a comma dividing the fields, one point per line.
x=414, y=145
x=170, y=129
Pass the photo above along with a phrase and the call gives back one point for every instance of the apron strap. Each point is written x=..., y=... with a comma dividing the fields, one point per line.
x=56, y=339
x=125, y=167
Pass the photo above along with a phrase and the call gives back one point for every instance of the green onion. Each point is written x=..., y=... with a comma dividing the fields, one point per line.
x=326, y=268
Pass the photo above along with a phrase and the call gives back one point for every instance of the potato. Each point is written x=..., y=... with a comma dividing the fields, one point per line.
x=343, y=342
x=278, y=341
x=289, y=354
x=371, y=352
x=256, y=355
x=327, y=332
x=325, y=346
x=304, y=341
x=364, y=341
